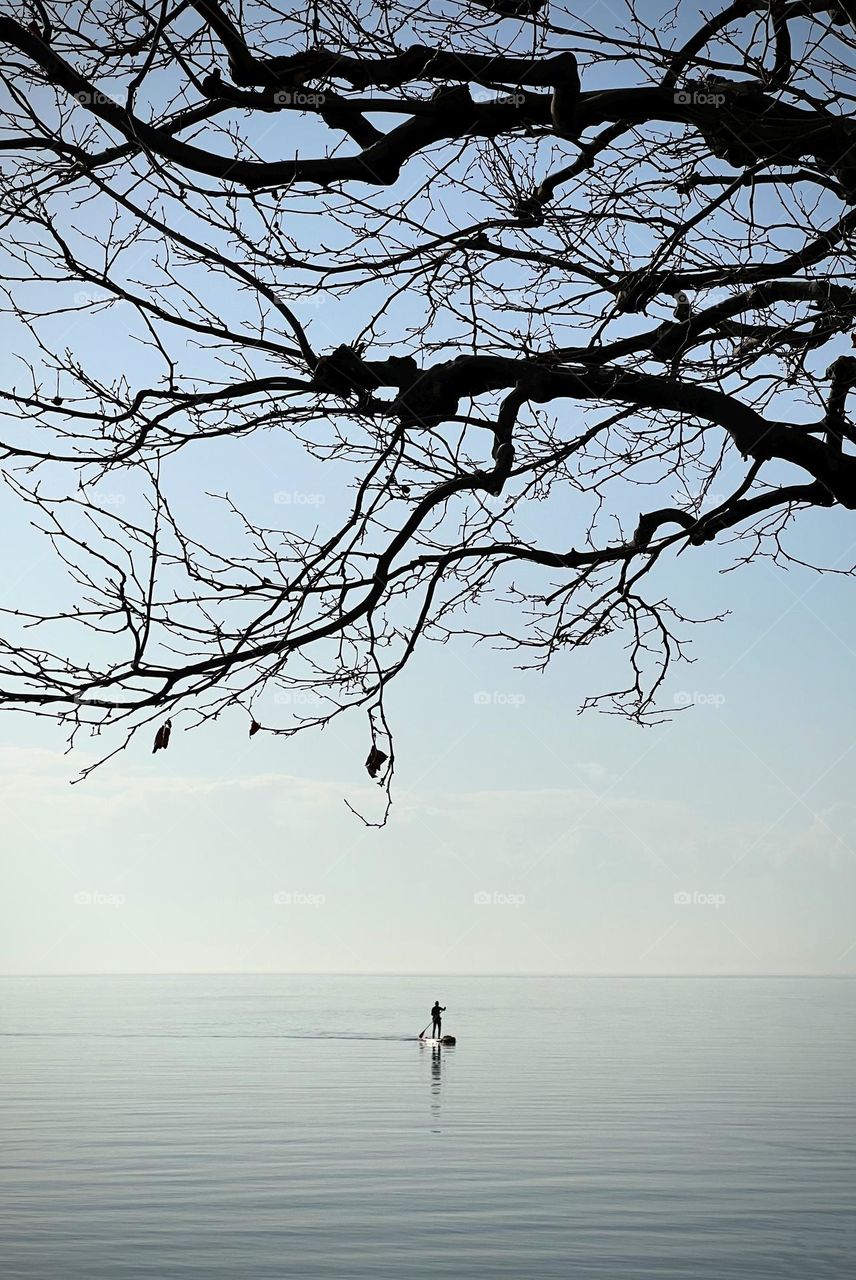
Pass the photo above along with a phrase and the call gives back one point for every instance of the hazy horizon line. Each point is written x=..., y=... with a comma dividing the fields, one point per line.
x=404, y=973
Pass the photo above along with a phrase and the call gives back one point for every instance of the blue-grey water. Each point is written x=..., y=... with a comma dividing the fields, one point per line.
x=271, y=1126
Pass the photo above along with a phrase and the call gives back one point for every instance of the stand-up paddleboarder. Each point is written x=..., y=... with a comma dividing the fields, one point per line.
x=435, y=1019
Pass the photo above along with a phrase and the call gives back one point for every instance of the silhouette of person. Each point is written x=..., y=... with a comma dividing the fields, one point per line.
x=435, y=1018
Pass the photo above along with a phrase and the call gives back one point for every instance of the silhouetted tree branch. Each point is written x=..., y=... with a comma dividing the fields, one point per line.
x=462, y=259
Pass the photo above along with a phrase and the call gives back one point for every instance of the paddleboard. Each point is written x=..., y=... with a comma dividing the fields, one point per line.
x=435, y=1040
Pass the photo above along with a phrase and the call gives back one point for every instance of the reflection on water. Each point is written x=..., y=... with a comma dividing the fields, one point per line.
x=437, y=1053
x=256, y=1126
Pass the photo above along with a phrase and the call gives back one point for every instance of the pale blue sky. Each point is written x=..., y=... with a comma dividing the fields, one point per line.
x=223, y=854
x=595, y=824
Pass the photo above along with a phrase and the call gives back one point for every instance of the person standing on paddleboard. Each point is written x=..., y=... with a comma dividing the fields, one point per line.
x=435, y=1018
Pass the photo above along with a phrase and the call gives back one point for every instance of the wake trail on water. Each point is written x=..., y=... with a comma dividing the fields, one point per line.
x=202, y=1035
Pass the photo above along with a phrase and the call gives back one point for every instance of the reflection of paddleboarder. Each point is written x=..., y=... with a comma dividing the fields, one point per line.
x=435, y=1018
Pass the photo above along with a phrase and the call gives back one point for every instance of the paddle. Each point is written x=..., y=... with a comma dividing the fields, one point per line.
x=422, y=1032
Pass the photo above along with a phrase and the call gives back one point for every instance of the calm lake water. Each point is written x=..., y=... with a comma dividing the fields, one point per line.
x=269, y=1126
